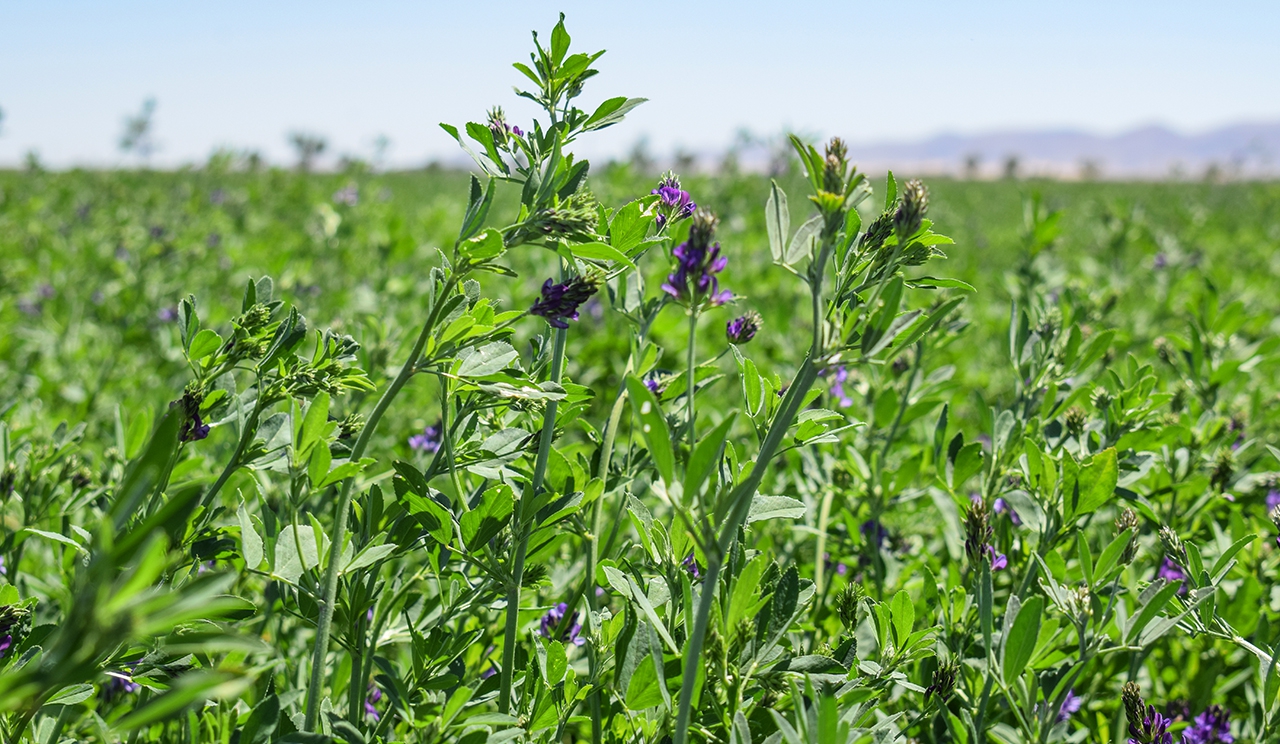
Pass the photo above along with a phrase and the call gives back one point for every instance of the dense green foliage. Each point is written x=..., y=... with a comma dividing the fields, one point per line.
x=959, y=532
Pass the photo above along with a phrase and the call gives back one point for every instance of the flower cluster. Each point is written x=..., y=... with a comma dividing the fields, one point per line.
x=552, y=621
x=978, y=533
x=371, y=702
x=559, y=303
x=674, y=203
x=502, y=131
x=743, y=328
x=1146, y=725
x=1213, y=726
x=429, y=440
x=698, y=261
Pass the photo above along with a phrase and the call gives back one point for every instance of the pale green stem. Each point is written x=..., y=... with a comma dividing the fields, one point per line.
x=522, y=534
x=339, y=535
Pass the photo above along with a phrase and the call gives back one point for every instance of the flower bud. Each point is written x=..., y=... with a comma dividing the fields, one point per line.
x=1223, y=468
x=1076, y=421
x=743, y=328
x=703, y=229
x=943, y=683
x=1101, y=398
x=847, y=602
x=915, y=202
x=1128, y=520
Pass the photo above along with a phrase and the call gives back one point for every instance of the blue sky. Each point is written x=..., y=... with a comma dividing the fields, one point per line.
x=244, y=74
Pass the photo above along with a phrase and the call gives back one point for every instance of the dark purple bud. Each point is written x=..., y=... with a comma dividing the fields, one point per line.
x=552, y=621
x=743, y=328
x=559, y=303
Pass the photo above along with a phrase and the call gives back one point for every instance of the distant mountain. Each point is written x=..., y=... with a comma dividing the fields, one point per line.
x=1242, y=150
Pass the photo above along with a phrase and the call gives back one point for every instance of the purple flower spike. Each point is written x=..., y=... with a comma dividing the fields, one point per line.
x=428, y=441
x=559, y=303
x=743, y=328
x=551, y=622
x=698, y=261
x=1171, y=572
x=674, y=203
x=371, y=702
x=1070, y=705
x=1213, y=726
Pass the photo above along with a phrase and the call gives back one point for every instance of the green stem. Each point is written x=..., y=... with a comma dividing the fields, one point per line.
x=522, y=539
x=740, y=501
x=691, y=367
x=339, y=536
x=247, y=431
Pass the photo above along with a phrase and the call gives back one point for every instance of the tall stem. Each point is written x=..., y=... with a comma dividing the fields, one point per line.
x=522, y=533
x=339, y=535
x=739, y=499
x=691, y=367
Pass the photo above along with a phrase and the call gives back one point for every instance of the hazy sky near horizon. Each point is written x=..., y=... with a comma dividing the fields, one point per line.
x=243, y=75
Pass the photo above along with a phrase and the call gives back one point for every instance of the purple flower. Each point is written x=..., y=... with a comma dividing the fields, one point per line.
x=743, y=328
x=428, y=441
x=1070, y=705
x=552, y=620
x=218, y=196
x=1154, y=729
x=655, y=385
x=1213, y=726
x=559, y=303
x=195, y=429
x=371, y=701
x=839, y=376
x=1000, y=506
x=46, y=292
x=698, y=261
x=1160, y=261
x=167, y=314
x=874, y=533
x=349, y=196
x=1171, y=572
x=1273, y=499
x=3, y=570
x=840, y=568
x=673, y=201
x=120, y=683
x=999, y=561
x=517, y=131
x=6, y=642
x=690, y=564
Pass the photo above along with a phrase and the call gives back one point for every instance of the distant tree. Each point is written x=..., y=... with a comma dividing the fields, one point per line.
x=31, y=161
x=1011, y=164
x=1090, y=170
x=1, y=121
x=308, y=147
x=972, y=166
x=138, y=136
x=641, y=159
x=684, y=161
x=381, y=144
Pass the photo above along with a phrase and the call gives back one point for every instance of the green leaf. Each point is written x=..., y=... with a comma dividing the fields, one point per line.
x=653, y=428
x=1096, y=479
x=313, y=423
x=250, y=540
x=486, y=360
x=706, y=456
x=1020, y=643
x=71, y=695
x=481, y=524
x=58, y=538
x=189, y=689
x=903, y=613
x=775, y=507
x=262, y=721
x=600, y=252
x=804, y=242
x=485, y=246
x=777, y=220
x=611, y=112
x=205, y=343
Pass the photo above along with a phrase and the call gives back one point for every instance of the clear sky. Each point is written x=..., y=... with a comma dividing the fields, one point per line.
x=244, y=74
